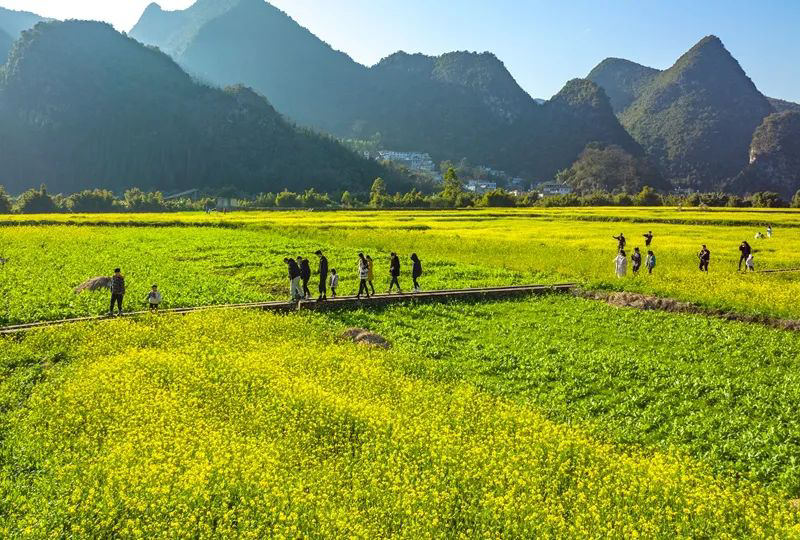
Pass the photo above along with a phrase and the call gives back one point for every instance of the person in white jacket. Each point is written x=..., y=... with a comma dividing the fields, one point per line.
x=621, y=264
x=154, y=298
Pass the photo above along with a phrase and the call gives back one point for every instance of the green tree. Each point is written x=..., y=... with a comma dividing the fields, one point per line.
x=796, y=200
x=647, y=197
x=377, y=194
x=92, y=201
x=452, y=185
x=498, y=198
x=767, y=199
x=287, y=199
x=311, y=199
x=37, y=201
x=347, y=199
x=5, y=201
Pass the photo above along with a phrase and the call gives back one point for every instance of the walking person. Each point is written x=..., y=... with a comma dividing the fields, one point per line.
x=294, y=279
x=621, y=264
x=650, y=262
x=636, y=261
x=334, y=282
x=744, y=252
x=416, y=271
x=153, y=298
x=117, y=291
x=322, y=270
x=648, y=238
x=750, y=264
x=370, y=274
x=363, y=274
x=305, y=275
x=705, y=258
x=620, y=241
x=394, y=272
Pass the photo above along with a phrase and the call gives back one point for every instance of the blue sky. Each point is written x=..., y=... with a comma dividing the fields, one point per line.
x=543, y=43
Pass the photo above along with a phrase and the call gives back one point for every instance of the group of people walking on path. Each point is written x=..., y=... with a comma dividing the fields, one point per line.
x=621, y=260
x=299, y=271
x=704, y=255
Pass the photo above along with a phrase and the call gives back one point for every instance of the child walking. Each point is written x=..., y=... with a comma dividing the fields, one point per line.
x=750, y=264
x=334, y=282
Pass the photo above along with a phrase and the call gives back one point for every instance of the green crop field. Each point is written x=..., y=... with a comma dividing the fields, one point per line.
x=212, y=259
x=541, y=417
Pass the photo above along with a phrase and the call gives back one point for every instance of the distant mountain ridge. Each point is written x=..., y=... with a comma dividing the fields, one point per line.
x=695, y=119
x=82, y=106
x=6, y=42
x=457, y=105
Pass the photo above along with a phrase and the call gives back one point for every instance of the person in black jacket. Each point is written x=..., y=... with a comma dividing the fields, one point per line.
x=305, y=275
x=636, y=260
x=648, y=238
x=294, y=279
x=322, y=270
x=744, y=252
x=394, y=271
x=705, y=257
x=416, y=271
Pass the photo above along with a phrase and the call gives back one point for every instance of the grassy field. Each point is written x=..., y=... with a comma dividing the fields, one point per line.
x=210, y=259
x=549, y=417
x=251, y=425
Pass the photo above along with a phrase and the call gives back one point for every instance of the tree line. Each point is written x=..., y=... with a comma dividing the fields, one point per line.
x=451, y=195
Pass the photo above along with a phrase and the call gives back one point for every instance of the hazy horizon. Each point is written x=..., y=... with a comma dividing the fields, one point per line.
x=542, y=46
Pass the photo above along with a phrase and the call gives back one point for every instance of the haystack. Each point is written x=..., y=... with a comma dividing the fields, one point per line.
x=94, y=284
x=365, y=337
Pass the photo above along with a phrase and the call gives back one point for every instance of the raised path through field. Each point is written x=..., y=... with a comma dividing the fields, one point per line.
x=341, y=302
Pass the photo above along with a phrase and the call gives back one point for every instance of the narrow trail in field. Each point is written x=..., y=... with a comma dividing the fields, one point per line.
x=670, y=305
x=341, y=302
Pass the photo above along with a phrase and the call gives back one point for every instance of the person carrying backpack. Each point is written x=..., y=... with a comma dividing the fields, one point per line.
x=294, y=279
x=650, y=262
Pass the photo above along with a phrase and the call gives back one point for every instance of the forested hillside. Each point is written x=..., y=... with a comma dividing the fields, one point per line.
x=697, y=118
x=83, y=106
x=457, y=105
x=774, y=157
x=623, y=80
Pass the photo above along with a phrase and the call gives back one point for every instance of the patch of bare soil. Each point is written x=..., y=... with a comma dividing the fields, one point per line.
x=365, y=337
x=650, y=303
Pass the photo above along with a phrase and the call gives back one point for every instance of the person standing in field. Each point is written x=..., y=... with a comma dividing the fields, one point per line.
x=650, y=262
x=416, y=271
x=750, y=264
x=294, y=279
x=334, y=282
x=394, y=272
x=363, y=275
x=305, y=275
x=769, y=230
x=705, y=258
x=636, y=261
x=648, y=238
x=621, y=264
x=370, y=274
x=117, y=291
x=620, y=241
x=153, y=298
x=322, y=270
x=744, y=252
